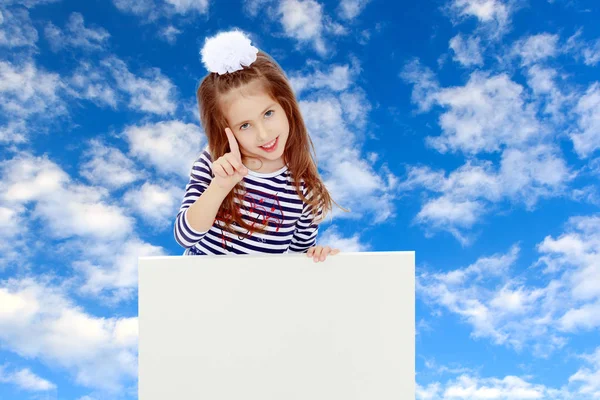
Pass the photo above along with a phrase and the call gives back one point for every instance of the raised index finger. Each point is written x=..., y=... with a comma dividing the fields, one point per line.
x=233, y=144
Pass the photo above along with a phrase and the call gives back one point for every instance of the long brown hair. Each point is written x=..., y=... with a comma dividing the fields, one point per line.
x=297, y=153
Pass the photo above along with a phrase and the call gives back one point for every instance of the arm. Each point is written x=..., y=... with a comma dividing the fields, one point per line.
x=205, y=194
x=304, y=239
x=200, y=204
x=305, y=235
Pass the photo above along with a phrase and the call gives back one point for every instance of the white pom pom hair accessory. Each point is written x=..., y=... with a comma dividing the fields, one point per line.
x=228, y=52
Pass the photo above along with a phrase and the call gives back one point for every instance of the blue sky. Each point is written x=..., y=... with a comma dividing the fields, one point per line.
x=470, y=132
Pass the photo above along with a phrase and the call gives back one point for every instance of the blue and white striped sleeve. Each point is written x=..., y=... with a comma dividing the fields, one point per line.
x=305, y=235
x=200, y=178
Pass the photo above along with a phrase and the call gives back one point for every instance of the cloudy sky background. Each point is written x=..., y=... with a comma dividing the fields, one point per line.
x=465, y=130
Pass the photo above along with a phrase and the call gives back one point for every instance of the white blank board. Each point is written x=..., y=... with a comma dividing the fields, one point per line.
x=277, y=327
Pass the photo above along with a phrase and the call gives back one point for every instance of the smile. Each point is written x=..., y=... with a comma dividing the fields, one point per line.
x=271, y=146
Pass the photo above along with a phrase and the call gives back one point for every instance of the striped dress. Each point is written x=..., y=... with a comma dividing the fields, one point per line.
x=268, y=197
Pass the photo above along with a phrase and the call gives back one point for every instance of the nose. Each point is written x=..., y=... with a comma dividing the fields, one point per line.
x=262, y=134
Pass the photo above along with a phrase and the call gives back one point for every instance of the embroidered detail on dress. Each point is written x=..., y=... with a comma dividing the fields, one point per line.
x=224, y=237
x=274, y=214
x=261, y=207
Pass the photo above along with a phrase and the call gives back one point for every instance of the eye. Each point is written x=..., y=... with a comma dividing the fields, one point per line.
x=270, y=111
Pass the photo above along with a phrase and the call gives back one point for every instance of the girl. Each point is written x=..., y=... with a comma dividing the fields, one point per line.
x=255, y=188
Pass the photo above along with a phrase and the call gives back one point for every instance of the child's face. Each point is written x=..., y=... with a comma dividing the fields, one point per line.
x=256, y=120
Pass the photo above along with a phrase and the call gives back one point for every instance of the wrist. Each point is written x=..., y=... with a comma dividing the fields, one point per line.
x=218, y=190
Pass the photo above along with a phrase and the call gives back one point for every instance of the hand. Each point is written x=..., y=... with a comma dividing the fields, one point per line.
x=319, y=253
x=228, y=169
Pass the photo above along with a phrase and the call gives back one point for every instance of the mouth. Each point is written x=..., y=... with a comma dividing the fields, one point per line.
x=271, y=146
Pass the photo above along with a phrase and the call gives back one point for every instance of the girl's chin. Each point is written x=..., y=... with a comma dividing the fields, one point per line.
x=252, y=158
x=272, y=156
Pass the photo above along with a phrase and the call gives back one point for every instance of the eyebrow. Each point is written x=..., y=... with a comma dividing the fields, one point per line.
x=264, y=111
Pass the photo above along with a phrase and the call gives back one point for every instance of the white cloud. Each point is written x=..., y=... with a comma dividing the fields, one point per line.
x=450, y=214
x=26, y=90
x=499, y=304
x=169, y=34
x=541, y=79
x=108, y=270
x=91, y=83
x=152, y=10
x=493, y=15
x=589, y=194
x=333, y=27
x=364, y=37
x=588, y=50
x=334, y=239
x=14, y=250
x=586, y=139
x=30, y=95
x=350, y=9
x=142, y=8
x=303, y=21
x=352, y=181
x=489, y=112
x=29, y=3
x=511, y=387
x=189, y=6
x=484, y=10
x=470, y=192
x=586, y=317
x=536, y=48
x=467, y=386
x=588, y=377
x=76, y=35
x=9, y=221
x=16, y=28
x=338, y=78
x=171, y=147
x=83, y=211
x=431, y=364
x=544, y=82
x=110, y=82
x=153, y=93
x=594, y=166
x=13, y=132
x=155, y=203
x=25, y=379
x=461, y=204
x=575, y=255
x=254, y=6
x=495, y=114
x=108, y=166
x=478, y=294
x=98, y=236
x=356, y=107
x=425, y=85
x=528, y=175
x=591, y=53
x=39, y=321
x=468, y=51
x=427, y=393
x=65, y=208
